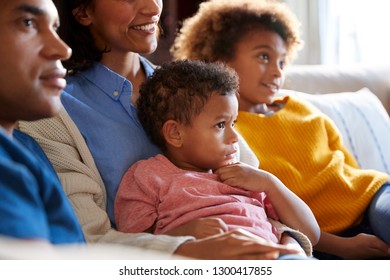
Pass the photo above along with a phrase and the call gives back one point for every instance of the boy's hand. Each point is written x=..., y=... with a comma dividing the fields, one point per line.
x=244, y=176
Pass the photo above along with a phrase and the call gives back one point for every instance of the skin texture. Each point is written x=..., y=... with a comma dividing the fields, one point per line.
x=31, y=73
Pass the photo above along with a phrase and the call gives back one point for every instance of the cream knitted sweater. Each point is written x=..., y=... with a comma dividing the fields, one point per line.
x=69, y=154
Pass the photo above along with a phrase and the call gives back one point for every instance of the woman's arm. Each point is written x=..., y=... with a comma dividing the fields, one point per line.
x=291, y=210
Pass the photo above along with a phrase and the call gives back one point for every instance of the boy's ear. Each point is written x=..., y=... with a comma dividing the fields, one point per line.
x=81, y=14
x=172, y=133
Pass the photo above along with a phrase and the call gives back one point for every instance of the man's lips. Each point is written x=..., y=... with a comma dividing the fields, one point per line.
x=55, y=78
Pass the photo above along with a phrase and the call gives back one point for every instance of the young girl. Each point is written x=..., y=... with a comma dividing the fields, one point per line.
x=189, y=108
x=292, y=139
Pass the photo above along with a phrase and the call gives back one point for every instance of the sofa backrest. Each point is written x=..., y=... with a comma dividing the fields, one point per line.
x=319, y=79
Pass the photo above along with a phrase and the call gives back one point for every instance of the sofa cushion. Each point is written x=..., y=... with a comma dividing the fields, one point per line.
x=362, y=121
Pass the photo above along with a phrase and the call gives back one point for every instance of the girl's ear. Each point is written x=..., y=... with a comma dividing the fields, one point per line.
x=82, y=15
x=172, y=133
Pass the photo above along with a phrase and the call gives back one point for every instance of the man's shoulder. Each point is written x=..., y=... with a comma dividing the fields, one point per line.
x=34, y=149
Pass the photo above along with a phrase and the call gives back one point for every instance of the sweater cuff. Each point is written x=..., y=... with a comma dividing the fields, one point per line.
x=301, y=238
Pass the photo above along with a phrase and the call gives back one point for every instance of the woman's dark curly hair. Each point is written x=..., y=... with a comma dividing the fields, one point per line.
x=77, y=36
x=178, y=91
x=219, y=25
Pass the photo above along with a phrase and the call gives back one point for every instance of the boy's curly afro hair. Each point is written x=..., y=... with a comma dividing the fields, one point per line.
x=178, y=90
x=214, y=31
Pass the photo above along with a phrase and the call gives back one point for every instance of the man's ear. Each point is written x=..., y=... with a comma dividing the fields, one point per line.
x=81, y=14
x=172, y=133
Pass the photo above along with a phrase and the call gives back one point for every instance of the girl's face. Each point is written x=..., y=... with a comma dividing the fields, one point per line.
x=259, y=61
x=210, y=141
x=124, y=25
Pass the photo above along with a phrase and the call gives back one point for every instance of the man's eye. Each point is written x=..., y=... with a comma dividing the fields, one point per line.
x=28, y=22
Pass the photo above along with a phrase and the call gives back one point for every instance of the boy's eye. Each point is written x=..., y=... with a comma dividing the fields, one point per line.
x=220, y=125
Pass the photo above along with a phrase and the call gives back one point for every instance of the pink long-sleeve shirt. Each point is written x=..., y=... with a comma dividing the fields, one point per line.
x=156, y=193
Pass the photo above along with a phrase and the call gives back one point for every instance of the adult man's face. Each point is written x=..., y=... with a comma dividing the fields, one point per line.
x=31, y=73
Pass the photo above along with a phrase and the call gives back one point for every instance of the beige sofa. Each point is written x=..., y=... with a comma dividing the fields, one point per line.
x=338, y=78
x=358, y=103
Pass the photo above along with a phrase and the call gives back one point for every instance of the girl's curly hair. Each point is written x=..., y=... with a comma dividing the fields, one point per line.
x=214, y=31
x=178, y=90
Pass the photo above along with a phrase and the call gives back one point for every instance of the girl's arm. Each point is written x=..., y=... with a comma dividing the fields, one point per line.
x=361, y=246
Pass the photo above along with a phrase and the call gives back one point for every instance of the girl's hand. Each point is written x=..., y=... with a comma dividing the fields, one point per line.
x=361, y=246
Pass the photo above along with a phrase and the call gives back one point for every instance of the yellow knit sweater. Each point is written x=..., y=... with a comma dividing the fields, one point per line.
x=303, y=148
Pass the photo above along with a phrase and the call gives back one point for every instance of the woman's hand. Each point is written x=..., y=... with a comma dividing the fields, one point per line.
x=237, y=244
x=200, y=228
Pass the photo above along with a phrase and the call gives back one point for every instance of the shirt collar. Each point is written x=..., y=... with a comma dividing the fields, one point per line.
x=110, y=82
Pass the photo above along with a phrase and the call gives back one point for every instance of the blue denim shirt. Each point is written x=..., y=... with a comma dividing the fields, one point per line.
x=98, y=101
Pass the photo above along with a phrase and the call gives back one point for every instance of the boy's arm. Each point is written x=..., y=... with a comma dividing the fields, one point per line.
x=291, y=210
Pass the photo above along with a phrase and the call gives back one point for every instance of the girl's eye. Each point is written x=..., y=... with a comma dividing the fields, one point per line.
x=282, y=64
x=234, y=123
x=264, y=56
x=220, y=125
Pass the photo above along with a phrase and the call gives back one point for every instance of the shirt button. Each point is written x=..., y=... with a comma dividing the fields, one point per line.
x=116, y=93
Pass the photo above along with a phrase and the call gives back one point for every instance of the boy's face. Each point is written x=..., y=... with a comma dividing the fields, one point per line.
x=31, y=73
x=211, y=141
x=259, y=61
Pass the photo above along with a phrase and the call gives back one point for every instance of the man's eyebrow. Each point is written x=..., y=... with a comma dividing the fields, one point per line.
x=31, y=9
